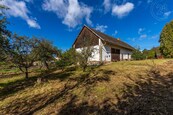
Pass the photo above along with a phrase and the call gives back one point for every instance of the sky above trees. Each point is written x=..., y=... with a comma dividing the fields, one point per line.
x=137, y=22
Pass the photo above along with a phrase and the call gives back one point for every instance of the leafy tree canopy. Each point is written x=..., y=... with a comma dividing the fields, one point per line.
x=137, y=54
x=166, y=40
x=67, y=58
x=21, y=52
x=45, y=51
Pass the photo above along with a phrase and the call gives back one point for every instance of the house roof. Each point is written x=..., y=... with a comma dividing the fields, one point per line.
x=109, y=39
x=112, y=40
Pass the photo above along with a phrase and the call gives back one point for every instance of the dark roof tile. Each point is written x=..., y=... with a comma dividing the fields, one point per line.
x=112, y=40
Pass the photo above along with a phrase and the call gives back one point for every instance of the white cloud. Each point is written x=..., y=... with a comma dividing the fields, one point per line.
x=140, y=30
x=122, y=10
x=107, y=5
x=167, y=14
x=115, y=33
x=155, y=36
x=71, y=11
x=19, y=9
x=143, y=36
x=101, y=28
x=57, y=6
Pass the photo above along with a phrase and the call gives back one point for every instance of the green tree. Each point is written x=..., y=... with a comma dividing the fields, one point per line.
x=145, y=53
x=4, y=34
x=166, y=40
x=85, y=53
x=138, y=55
x=152, y=53
x=46, y=52
x=67, y=58
x=21, y=52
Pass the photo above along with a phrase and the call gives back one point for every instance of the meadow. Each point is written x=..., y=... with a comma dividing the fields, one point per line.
x=127, y=87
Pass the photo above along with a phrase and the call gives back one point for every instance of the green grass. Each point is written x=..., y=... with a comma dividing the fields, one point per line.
x=8, y=68
x=120, y=87
x=6, y=71
x=5, y=81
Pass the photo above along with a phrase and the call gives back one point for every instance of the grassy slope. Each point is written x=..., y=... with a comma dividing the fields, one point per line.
x=124, y=87
x=8, y=68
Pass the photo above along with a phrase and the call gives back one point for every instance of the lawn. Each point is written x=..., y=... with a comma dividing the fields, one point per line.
x=129, y=87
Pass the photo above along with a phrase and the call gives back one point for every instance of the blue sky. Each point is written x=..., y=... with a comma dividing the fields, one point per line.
x=137, y=22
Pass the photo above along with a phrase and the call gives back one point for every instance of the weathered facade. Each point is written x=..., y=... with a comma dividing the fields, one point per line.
x=106, y=48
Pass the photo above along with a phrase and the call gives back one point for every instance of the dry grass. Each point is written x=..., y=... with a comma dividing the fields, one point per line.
x=132, y=87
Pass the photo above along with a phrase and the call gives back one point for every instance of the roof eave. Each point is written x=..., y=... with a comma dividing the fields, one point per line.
x=120, y=45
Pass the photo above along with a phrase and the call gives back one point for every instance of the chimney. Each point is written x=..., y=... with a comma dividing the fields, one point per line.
x=118, y=39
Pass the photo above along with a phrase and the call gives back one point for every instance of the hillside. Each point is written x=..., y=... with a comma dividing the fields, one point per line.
x=132, y=87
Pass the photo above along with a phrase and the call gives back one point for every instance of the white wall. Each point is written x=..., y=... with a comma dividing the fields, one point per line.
x=106, y=53
x=125, y=54
x=95, y=54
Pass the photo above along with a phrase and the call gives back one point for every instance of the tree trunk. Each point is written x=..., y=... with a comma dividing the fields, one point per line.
x=46, y=64
x=84, y=68
x=26, y=73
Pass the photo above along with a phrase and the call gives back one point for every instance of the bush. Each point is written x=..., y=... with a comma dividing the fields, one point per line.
x=62, y=64
x=67, y=59
x=138, y=55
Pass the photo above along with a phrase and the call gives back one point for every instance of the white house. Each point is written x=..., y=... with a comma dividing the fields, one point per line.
x=107, y=47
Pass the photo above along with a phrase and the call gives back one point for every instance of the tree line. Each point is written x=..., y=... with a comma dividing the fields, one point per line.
x=153, y=53
x=165, y=50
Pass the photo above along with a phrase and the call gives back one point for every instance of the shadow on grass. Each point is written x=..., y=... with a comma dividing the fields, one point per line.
x=10, y=75
x=151, y=95
x=13, y=87
x=9, y=88
x=154, y=96
x=24, y=106
x=84, y=108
